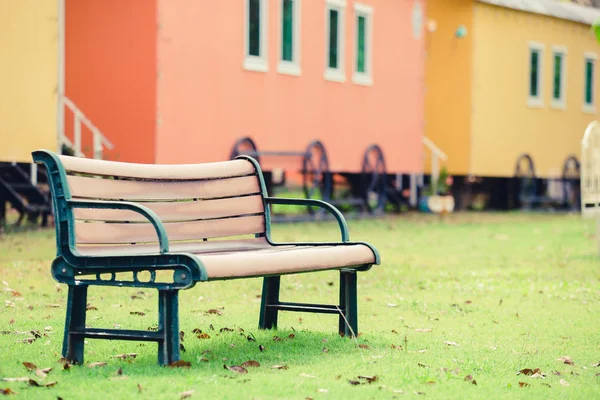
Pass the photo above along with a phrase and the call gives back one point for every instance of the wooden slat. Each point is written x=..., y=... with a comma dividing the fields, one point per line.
x=211, y=246
x=96, y=188
x=180, y=210
x=158, y=171
x=109, y=233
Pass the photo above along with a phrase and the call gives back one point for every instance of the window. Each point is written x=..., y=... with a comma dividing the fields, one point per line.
x=536, y=52
x=256, y=35
x=334, y=32
x=289, y=60
x=558, y=76
x=589, y=97
x=364, y=45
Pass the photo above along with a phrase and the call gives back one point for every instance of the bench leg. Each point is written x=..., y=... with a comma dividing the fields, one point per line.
x=75, y=320
x=168, y=323
x=270, y=295
x=348, y=303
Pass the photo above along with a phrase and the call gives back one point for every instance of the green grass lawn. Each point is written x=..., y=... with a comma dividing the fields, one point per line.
x=471, y=298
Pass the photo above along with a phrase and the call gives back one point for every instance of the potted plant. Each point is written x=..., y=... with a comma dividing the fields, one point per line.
x=442, y=201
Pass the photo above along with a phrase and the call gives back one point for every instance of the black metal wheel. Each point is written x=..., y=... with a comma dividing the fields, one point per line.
x=245, y=146
x=315, y=173
x=374, y=179
x=570, y=180
x=525, y=174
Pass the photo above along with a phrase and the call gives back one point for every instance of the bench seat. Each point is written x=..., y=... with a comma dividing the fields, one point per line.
x=244, y=259
x=170, y=227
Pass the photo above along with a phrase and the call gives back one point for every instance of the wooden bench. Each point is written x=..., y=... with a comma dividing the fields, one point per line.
x=178, y=225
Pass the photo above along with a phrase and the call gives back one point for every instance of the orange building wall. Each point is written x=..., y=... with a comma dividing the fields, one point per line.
x=448, y=71
x=110, y=68
x=206, y=100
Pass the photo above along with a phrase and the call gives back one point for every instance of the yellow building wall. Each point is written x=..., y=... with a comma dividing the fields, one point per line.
x=503, y=125
x=28, y=77
x=448, y=69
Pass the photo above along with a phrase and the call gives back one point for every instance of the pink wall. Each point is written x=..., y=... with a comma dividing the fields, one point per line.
x=110, y=73
x=206, y=100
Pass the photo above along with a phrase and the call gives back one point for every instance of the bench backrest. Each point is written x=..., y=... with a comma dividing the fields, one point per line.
x=196, y=202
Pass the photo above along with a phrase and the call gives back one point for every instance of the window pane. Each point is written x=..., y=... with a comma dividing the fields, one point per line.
x=557, y=76
x=589, y=73
x=333, y=39
x=254, y=27
x=287, y=39
x=533, y=79
x=360, y=67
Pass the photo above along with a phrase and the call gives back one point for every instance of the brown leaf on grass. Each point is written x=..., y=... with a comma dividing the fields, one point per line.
x=325, y=350
x=7, y=391
x=225, y=330
x=33, y=382
x=394, y=331
x=180, y=364
x=197, y=331
x=140, y=388
x=277, y=339
x=28, y=340
x=250, y=363
x=451, y=343
x=97, y=364
x=566, y=360
x=186, y=394
x=564, y=383
x=352, y=382
x=90, y=307
x=125, y=356
x=399, y=347
x=140, y=313
x=211, y=327
x=214, y=311
x=528, y=371
x=119, y=371
x=203, y=336
x=596, y=364
x=279, y=367
x=523, y=384
x=423, y=330
x=369, y=379
x=236, y=368
x=261, y=347
x=203, y=359
x=30, y=366
x=291, y=336
x=363, y=346
x=422, y=365
x=469, y=378
x=468, y=302
x=250, y=337
x=16, y=294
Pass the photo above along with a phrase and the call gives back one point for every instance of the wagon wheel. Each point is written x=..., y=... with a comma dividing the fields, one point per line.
x=525, y=173
x=374, y=179
x=315, y=173
x=570, y=177
x=245, y=146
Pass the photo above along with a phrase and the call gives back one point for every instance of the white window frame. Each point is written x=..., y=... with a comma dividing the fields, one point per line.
x=536, y=101
x=589, y=56
x=336, y=74
x=257, y=63
x=363, y=78
x=284, y=66
x=561, y=103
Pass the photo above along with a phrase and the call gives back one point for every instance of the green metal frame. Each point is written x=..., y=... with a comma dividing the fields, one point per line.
x=80, y=271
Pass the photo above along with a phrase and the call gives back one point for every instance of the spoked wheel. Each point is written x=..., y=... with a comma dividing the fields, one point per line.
x=525, y=173
x=374, y=179
x=245, y=146
x=315, y=173
x=570, y=178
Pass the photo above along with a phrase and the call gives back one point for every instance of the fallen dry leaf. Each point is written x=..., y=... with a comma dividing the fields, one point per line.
x=566, y=360
x=422, y=365
x=261, y=347
x=423, y=330
x=186, y=394
x=352, y=382
x=325, y=350
x=277, y=339
x=137, y=313
x=279, y=367
x=203, y=336
x=291, y=336
x=250, y=363
x=125, y=356
x=97, y=364
x=523, y=384
x=7, y=391
x=469, y=378
x=236, y=368
x=119, y=371
x=30, y=366
x=369, y=379
x=21, y=379
x=140, y=388
x=180, y=364
x=214, y=311
x=225, y=330
x=197, y=331
x=399, y=347
x=451, y=343
x=596, y=364
x=564, y=383
x=33, y=382
x=363, y=346
x=528, y=371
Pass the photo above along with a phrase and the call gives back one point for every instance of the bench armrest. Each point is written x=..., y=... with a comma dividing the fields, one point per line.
x=318, y=203
x=154, y=219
